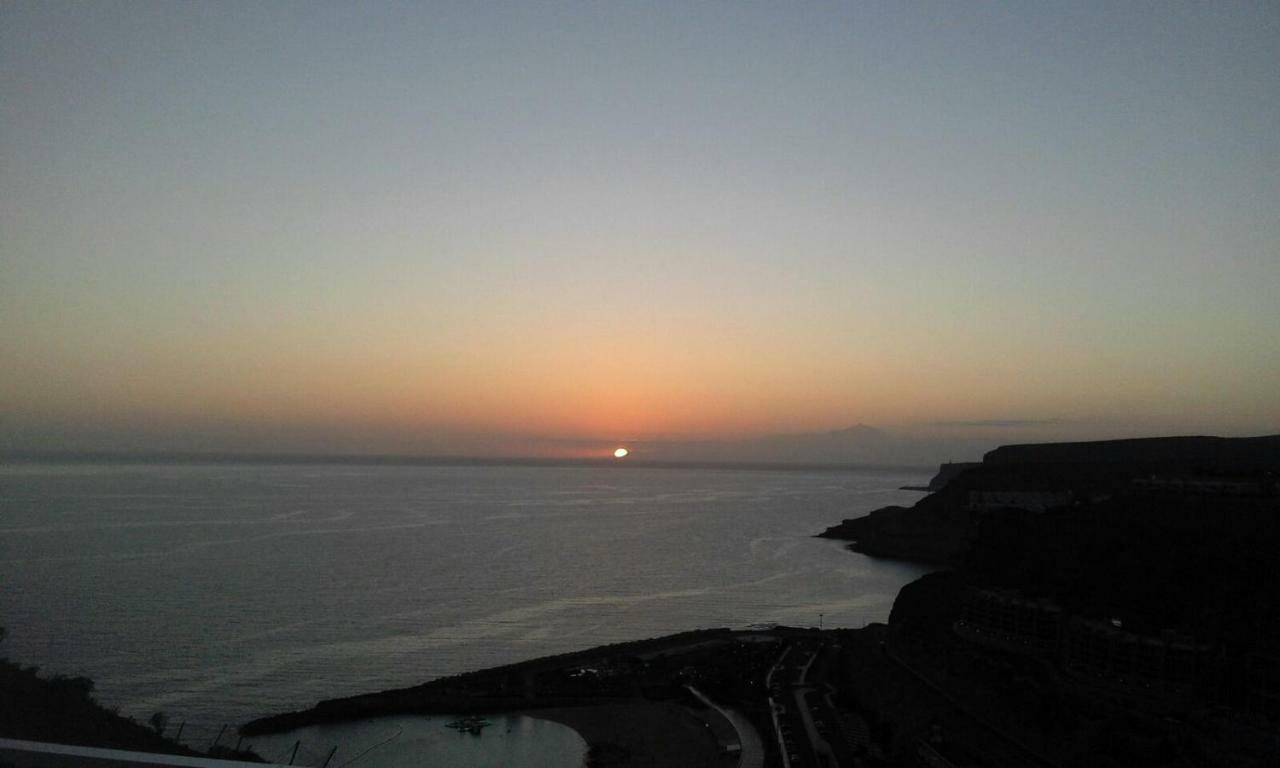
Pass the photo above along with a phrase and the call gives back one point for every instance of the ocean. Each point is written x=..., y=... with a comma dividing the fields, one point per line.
x=219, y=593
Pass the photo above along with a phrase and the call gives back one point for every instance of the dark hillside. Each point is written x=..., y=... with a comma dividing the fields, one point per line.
x=61, y=710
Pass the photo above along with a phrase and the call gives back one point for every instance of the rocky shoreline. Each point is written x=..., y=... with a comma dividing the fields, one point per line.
x=904, y=533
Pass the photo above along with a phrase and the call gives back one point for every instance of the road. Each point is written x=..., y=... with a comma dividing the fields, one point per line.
x=808, y=726
x=752, y=754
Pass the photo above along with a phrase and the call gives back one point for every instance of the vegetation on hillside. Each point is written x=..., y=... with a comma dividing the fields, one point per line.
x=62, y=710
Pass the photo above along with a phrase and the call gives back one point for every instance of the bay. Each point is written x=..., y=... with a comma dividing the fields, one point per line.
x=218, y=593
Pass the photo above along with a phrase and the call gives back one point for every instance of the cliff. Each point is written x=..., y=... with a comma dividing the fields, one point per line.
x=1132, y=629
x=926, y=534
x=942, y=527
x=948, y=472
x=1188, y=454
x=935, y=530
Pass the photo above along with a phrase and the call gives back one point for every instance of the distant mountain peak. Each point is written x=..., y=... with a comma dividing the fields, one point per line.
x=860, y=429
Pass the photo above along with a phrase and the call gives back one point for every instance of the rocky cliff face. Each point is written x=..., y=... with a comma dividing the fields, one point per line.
x=1201, y=454
x=935, y=530
x=1150, y=541
x=942, y=527
x=948, y=472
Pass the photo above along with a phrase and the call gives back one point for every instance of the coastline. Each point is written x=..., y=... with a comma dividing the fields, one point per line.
x=506, y=688
x=622, y=715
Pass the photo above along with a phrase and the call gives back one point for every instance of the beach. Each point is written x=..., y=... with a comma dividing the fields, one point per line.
x=648, y=733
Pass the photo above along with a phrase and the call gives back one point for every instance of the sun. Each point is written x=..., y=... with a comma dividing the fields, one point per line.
x=621, y=453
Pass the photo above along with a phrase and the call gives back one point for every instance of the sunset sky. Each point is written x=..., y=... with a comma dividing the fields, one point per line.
x=556, y=228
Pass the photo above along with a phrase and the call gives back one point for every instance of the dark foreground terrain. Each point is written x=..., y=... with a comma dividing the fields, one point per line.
x=61, y=710
x=1105, y=603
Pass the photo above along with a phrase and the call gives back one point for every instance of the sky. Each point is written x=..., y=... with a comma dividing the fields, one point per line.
x=551, y=229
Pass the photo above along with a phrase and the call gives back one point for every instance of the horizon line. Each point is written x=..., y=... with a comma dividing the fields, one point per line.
x=127, y=457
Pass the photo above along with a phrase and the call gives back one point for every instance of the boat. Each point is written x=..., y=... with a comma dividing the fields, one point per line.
x=472, y=725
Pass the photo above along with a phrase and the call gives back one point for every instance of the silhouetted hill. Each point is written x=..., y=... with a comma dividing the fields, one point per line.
x=1198, y=454
x=941, y=527
x=62, y=710
x=1110, y=603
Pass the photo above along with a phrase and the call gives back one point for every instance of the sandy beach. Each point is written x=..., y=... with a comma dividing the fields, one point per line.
x=644, y=733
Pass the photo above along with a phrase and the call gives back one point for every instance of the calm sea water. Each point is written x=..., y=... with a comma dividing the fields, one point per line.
x=220, y=593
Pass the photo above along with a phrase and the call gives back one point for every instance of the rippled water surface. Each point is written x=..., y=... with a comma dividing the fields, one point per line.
x=220, y=593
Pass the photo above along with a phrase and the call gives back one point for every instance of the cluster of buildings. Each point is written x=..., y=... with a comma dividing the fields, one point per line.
x=1087, y=649
x=1204, y=485
x=1038, y=495
x=1032, y=501
x=1106, y=654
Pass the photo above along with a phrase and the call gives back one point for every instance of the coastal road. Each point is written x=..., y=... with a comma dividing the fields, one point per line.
x=775, y=706
x=808, y=726
x=803, y=693
x=796, y=734
x=752, y=754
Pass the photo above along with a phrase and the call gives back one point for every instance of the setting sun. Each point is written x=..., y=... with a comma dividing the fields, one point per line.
x=621, y=453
